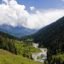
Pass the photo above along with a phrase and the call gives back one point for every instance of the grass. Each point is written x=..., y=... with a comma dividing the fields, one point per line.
x=23, y=48
x=9, y=58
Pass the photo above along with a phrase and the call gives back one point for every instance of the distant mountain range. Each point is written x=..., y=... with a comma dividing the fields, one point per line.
x=43, y=34
x=16, y=31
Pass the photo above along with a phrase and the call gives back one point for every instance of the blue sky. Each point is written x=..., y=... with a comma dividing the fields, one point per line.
x=43, y=4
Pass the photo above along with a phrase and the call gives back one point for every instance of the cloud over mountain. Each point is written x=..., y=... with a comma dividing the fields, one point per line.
x=15, y=14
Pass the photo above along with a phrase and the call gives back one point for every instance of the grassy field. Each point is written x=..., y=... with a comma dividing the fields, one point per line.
x=9, y=58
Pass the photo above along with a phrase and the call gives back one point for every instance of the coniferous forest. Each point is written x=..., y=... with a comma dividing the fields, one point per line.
x=52, y=37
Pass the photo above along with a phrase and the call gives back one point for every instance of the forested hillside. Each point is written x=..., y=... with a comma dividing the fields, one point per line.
x=52, y=37
x=11, y=48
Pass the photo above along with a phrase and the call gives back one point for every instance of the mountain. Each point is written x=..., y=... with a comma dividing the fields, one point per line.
x=52, y=37
x=16, y=31
x=51, y=32
x=6, y=35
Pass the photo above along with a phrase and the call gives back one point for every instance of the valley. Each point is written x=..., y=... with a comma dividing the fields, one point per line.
x=44, y=47
x=31, y=31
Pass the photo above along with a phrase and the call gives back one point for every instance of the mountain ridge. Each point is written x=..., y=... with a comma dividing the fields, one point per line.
x=54, y=27
x=16, y=31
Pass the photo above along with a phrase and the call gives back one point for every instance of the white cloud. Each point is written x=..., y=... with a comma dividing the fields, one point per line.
x=15, y=14
x=32, y=8
x=43, y=18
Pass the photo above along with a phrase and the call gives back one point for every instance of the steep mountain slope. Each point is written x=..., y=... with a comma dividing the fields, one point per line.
x=52, y=37
x=50, y=33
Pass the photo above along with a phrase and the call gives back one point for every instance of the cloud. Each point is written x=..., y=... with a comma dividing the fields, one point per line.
x=32, y=8
x=14, y=14
x=43, y=18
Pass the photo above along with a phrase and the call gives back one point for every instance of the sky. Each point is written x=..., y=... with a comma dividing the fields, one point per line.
x=43, y=4
x=32, y=14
